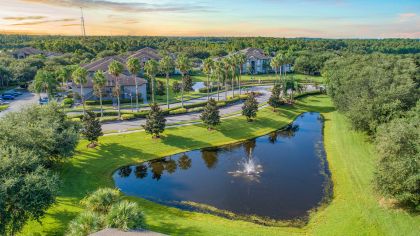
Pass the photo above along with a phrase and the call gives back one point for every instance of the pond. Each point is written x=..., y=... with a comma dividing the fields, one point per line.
x=198, y=85
x=280, y=176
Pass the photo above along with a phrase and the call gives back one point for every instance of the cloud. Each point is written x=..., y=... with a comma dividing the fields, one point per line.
x=405, y=17
x=127, y=6
x=21, y=18
x=42, y=22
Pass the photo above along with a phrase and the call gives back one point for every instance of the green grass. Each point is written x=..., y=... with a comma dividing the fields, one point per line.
x=353, y=211
x=3, y=107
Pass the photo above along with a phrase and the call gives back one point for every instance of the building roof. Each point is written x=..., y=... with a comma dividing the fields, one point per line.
x=34, y=51
x=254, y=53
x=146, y=54
x=103, y=63
x=116, y=232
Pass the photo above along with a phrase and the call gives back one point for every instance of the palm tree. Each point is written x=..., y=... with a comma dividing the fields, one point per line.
x=219, y=72
x=99, y=81
x=275, y=63
x=152, y=68
x=167, y=66
x=64, y=74
x=208, y=67
x=233, y=63
x=115, y=69
x=134, y=67
x=44, y=82
x=80, y=78
x=226, y=66
x=184, y=65
x=241, y=60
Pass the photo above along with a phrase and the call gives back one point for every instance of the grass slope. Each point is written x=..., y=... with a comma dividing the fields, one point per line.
x=353, y=211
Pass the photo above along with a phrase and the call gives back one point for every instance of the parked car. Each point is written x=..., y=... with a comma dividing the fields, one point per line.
x=43, y=101
x=8, y=97
x=2, y=102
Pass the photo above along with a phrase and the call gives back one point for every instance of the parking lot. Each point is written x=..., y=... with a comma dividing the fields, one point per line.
x=23, y=100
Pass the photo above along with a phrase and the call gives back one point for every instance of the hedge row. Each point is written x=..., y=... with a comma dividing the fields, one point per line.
x=109, y=102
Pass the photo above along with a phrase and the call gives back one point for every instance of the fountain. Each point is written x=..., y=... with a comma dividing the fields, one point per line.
x=249, y=167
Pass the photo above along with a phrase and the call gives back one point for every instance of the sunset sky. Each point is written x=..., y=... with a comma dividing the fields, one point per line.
x=277, y=18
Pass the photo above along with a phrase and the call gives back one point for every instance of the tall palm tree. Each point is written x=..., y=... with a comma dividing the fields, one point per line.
x=275, y=63
x=80, y=78
x=167, y=66
x=99, y=82
x=115, y=69
x=134, y=67
x=44, y=82
x=226, y=66
x=241, y=60
x=183, y=64
x=64, y=75
x=219, y=72
x=208, y=67
x=152, y=68
x=233, y=64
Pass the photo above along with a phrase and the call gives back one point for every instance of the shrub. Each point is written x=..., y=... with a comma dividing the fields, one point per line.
x=101, y=200
x=196, y=109
x=178, y=111
x=156, y=122
x=250, y=107
x=85, y=224
x=210, y=115
x=127, y=116
x=68, y=102
x=91, y=127
x=125, y=215
x=108, y=118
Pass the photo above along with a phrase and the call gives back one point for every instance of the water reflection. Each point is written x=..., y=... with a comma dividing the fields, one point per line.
x=282, y=175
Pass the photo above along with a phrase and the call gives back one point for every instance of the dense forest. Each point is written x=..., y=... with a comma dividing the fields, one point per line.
x=307, y=55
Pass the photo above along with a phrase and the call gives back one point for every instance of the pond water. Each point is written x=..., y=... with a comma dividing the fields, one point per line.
x=280, y=176
x=198, y=85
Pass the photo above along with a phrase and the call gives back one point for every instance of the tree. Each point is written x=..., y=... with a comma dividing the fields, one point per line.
x=176, y=87
x=27, y=189
x=184, y=66
x=101, y=200
x=115, y=69
x=227, y=67
x=250, y=107
x=5, y=76
x=134, y=67
x=233, y=66
x=44, y=82
x=155, y=123
x=167, y=66
x=208, y=67
x=188, y=84
x=241, y=60
x=80, y=78
x=372, y=89
x=152, y=68
x=92, y=129
x=160, y=88
x=210, y=115
x=276, y=64
x=275, y=99
x=219, y=67
x=64, y=74
x=398, y=167
x=52, y=136
x=99, y=82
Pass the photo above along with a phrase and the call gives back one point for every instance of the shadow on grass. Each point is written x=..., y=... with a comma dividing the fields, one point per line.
x=183, y=142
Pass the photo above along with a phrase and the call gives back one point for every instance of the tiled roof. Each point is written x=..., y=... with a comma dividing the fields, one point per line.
x=103, y=63
x=34, y=51
x=254, y=53
x=146, y=54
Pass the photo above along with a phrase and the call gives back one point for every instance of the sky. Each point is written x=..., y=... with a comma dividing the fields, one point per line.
x=270, y=18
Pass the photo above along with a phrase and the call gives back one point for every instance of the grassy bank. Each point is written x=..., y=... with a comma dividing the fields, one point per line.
x=354, y=210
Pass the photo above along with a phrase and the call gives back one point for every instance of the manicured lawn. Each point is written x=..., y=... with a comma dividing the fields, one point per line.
x=354, y=210
x=3, y=107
